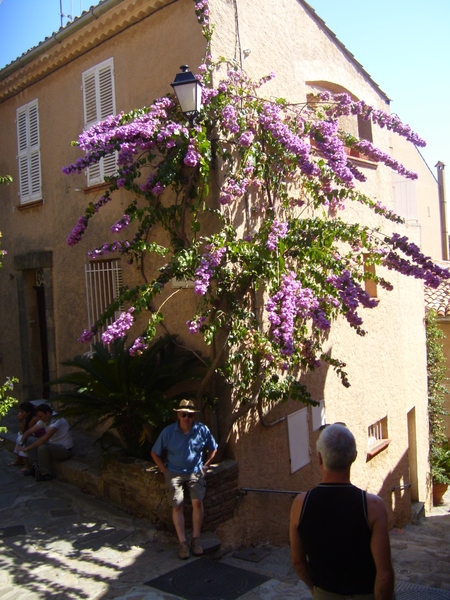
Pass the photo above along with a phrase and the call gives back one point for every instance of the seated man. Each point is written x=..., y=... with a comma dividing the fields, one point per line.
x=56, y=443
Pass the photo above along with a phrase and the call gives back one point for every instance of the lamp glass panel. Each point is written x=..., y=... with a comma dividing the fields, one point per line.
x=187, y=96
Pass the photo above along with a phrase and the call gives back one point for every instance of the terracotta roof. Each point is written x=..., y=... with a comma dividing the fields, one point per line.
x=439, y=299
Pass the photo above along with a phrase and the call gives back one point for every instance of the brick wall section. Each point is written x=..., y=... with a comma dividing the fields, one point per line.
x=136, y=486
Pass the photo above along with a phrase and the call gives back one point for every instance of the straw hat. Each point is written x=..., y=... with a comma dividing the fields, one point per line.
x=186, y=406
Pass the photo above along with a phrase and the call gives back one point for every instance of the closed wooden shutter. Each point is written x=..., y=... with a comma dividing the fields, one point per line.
x=29, y=157
x=99, y=103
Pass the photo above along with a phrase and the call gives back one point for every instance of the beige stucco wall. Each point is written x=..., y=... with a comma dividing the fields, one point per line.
x=144, y=66
x=386, y=368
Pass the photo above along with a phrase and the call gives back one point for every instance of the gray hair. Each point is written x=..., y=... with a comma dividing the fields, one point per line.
x=337, y=447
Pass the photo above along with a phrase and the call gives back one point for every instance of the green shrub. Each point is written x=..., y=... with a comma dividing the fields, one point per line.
x=436, y=370
x=132, y=397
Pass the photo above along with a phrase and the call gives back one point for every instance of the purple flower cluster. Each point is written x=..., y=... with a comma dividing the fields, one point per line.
x=192, y=156
x=202, y=12
x=87, y=336
x=77, y=232
x=271, y=119
x=139, y=345
x=233, y=190
x=143, y=133
x=422, y=266
x=377, y=155
x=209, y=261
x=352, y=295
x=344, y=105
x=331, y=146
x=194, y=325
x=291, y=303
x=121, y=224
x=208, y=94
x=246, y=139
x=121, y=247
x=119, y=327
x=229, y=119
x=278, y=230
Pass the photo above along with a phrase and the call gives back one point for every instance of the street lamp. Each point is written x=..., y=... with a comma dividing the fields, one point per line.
x=189, y=93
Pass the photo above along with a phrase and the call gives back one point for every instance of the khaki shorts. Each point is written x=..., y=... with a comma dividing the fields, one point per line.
x=177, y=482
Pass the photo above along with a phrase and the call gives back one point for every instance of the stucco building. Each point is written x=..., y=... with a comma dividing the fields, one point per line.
x=121, y=55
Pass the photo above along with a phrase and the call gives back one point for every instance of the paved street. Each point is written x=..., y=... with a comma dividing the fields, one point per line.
x=59, y=543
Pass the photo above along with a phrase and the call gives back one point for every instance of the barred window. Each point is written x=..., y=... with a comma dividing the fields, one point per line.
x=103, y=281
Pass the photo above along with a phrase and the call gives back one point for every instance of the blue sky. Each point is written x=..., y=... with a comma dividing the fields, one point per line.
x=403, y=44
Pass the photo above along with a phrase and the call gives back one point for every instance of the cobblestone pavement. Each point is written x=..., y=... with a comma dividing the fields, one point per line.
x=58, y=543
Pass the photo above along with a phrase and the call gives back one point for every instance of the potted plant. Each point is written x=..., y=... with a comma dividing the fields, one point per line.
x=440, y=471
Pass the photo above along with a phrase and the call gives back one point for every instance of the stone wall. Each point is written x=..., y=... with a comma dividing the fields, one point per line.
x=137, y=486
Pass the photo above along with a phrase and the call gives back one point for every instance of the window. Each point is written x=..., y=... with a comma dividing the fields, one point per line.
x=99, y=103
x=298, y=436
x=377, y=438
x=369, y=283
x=356, y=126
x=318, y=415
x=29, y=155
x=405, y=199
x=103, y=281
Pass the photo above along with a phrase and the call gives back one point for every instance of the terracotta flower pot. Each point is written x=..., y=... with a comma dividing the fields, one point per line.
x=439, y=490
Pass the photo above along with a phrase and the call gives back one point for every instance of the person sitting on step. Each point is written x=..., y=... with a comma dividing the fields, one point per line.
x=56, y=443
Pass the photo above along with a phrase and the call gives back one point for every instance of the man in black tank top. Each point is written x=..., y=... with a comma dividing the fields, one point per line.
x=339, y=534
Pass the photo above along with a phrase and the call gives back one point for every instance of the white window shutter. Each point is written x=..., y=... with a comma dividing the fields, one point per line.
x=94, y=174
x=89, y=96
x=106, y=91
x=29, y=156
x=298, y=437
x=99, y=103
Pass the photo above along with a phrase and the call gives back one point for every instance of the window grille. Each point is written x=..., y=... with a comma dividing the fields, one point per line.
x=103, y=281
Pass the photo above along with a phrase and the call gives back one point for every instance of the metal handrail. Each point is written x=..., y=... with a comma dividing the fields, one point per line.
x=245, y=490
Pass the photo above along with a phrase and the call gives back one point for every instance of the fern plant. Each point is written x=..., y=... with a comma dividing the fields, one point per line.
x=130, y=397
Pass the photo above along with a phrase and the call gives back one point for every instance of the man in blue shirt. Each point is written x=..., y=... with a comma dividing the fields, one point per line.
x=184, y=443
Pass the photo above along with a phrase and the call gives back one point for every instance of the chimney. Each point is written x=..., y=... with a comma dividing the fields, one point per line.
x=443, y=209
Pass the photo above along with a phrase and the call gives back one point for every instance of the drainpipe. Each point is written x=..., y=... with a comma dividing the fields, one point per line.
x=442, y=208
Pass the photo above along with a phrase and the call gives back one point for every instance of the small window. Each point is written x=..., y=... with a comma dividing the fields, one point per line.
x=377, y=438
x=355, y=125
x=99, y=103
x=103, y=281
x=369, y=283
x=29, y=154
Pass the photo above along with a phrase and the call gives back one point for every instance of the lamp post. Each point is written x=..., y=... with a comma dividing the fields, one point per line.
x=189, y=93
